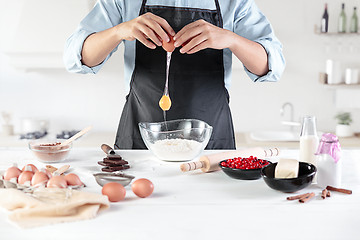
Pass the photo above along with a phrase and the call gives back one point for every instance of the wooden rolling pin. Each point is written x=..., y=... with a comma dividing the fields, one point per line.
x=209, y=163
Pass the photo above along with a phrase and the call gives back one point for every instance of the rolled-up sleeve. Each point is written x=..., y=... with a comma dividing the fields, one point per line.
x=250, y=23
x=104, y=15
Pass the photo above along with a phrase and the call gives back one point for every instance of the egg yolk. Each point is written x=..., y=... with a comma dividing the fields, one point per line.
x=165, y=103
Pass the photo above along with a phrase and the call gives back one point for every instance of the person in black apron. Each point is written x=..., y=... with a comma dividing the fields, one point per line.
x=196, y=84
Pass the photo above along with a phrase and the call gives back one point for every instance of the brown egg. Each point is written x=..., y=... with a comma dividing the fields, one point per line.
x=169, y=46
x=73, y=180
x=142, y=187
x=12, y=172
x=25, y=176
x=30, y=167
x=115, y=191
x=39, y=178
x=57, y=182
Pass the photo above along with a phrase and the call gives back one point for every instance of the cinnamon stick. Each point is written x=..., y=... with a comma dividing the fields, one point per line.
x=328, y=194
x=341, y=190
x=297, y=196
x=307, y=198
x=324, y=193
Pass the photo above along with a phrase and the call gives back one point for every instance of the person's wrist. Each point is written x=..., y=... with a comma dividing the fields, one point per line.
x=232, y=39
x=119, y=32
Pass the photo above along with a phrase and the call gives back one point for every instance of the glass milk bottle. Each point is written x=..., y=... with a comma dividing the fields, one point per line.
x=327, y=159
x=309, y=140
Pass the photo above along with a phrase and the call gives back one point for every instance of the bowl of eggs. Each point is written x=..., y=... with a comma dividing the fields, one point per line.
x=176, y=140
x=49, y=151
x=30, y=177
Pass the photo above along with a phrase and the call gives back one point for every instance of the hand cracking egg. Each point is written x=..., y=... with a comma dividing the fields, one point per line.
x=165, y=103
x=169, y=46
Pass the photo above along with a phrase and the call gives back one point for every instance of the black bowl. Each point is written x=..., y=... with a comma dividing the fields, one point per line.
x=306, y=174
x=243, y=174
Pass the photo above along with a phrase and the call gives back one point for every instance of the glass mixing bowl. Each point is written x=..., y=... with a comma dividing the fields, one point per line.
x=176, y=140
x=47, y=150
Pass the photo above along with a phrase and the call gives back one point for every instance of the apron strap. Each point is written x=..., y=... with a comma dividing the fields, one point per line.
x=219, y=13
x=142, y=8
x=218, y=10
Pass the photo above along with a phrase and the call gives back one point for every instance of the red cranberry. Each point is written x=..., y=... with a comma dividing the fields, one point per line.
x=245, y=163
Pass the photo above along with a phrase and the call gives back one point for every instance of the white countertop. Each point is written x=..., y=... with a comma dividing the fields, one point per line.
x=198, y=205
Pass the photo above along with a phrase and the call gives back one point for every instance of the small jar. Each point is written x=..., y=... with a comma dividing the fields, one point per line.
x=328, y=161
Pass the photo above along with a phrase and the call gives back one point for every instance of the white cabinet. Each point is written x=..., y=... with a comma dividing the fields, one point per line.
x=33, y=32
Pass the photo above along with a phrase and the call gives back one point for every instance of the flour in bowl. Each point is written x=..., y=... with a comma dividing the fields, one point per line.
x=176, y=149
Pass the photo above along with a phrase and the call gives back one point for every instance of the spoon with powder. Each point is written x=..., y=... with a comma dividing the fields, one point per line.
x=76, y=136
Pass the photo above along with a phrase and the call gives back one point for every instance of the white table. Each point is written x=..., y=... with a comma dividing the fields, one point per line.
x=197, y=205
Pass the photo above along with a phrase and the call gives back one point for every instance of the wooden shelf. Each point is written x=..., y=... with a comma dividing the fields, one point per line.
x=337, y=34
x=343, y=85
x=347, y=34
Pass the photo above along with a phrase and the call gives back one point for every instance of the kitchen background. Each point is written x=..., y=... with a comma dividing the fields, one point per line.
x=34, y=83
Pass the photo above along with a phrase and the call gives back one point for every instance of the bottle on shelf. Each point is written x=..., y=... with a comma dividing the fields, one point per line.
x=354, y=22
x=325, y=21
x=342, y=20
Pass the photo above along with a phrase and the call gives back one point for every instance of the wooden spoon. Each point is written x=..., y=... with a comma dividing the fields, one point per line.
x=57, y=171
x=61, y=170
x=76, y=136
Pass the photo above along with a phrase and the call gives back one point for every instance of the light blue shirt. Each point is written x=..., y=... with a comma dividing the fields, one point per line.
x=240, y=16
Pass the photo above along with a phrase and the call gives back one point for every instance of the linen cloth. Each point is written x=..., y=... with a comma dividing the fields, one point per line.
x=49, y=206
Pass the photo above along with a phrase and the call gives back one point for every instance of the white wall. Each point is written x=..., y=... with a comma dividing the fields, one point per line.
x=72, y=101
x=256, y=106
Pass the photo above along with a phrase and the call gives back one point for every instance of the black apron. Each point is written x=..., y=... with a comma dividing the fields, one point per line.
x=196, y=84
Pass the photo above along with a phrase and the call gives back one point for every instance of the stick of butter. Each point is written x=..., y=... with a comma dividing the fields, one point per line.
x=287, y=168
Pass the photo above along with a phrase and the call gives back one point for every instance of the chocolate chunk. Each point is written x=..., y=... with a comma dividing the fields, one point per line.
x=123, y=167
x=113, y=169
x=117, y=162
x=102, y=163
x=114, y=156
x=106, y=169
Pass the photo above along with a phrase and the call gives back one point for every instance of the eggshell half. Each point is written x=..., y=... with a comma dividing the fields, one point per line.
x=39, y=178
x=25, y=176
x=73, y=180
x=32, y=167
x=12, y=172
x=48, y=173
x=57, y=182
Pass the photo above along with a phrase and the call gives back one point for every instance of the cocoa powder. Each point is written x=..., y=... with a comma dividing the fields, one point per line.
x=51, y=152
